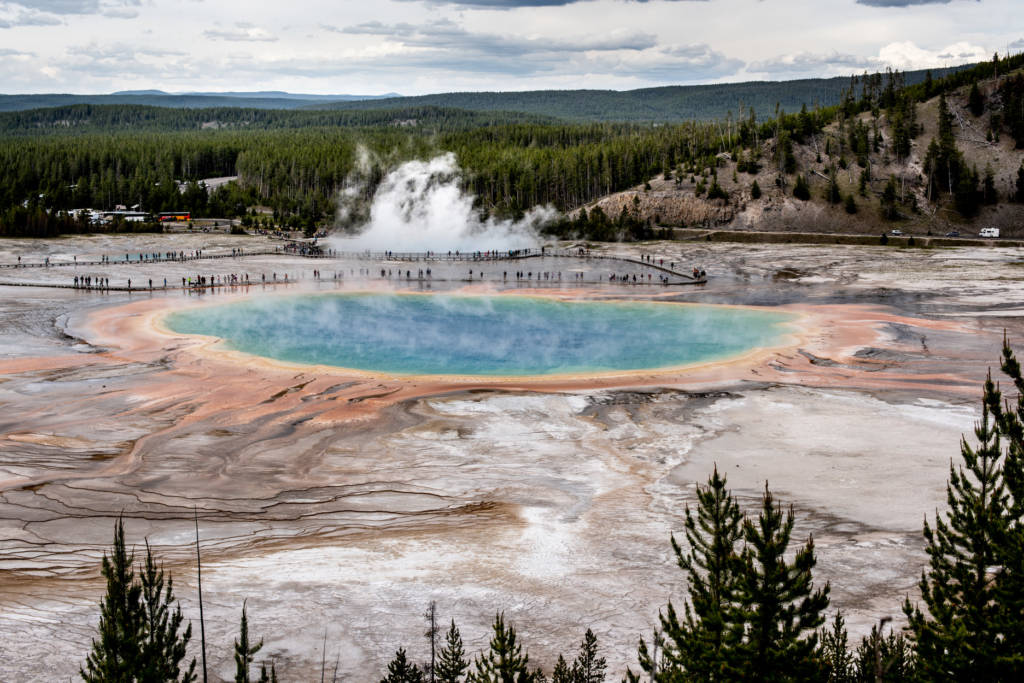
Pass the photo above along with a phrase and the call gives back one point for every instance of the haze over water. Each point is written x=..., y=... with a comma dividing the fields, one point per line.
x=478, y=335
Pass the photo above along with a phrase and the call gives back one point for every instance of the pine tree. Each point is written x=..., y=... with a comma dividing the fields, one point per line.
x=562, y=673
x=588, y=667
x=244, y=651
x=850, y=205
x=833, y=194
x=140, y=635
x=975, y=100
x=889, y=200
x=702, y=643
x=1010, y=588
x=271, y=676
x=1019, y=195
x=755, y=190
x=163, y=648
x=988, y=186
x=887, y=658
x=652, y=660
x=505, y=661
x=834, y=652
x=451, y=663
x=401, y=671
x=943, y=162
x=430, y=616
x=801, y=190
x=782, y=609
x=116, y=656
x=1009, y=585
x=967, y=197
x=961, y=638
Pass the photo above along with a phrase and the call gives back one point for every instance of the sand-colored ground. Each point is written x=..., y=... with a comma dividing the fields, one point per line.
x=344, y=502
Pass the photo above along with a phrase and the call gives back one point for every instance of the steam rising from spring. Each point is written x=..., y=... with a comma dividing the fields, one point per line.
x=421, y=206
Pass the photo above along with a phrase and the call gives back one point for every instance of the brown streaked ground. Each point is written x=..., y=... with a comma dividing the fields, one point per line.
x=344, y=502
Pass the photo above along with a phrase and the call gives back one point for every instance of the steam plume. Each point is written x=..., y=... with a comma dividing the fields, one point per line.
x=420, y=206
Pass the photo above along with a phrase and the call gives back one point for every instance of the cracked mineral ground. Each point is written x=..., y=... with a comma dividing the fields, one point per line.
x=342, y=503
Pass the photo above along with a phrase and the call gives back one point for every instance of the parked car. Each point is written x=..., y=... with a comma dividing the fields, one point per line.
x=953, y=233
x=896, y=233
x=989, y=232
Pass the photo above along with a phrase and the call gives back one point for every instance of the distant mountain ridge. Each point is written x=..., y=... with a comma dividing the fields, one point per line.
x=666, y=104
x=263, y=94
x=196, y=100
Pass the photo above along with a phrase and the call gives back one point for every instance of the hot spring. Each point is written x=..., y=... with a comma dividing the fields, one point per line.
x=433, y=334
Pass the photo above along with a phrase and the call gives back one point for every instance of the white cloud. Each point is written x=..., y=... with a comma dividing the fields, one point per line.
x=243, y=32
x=120, y=59
x=121, y=13
x=439, y=45
x=71, y=7
x=809, y=63
x=8, y=52
x=30, y=18
x=907, y=55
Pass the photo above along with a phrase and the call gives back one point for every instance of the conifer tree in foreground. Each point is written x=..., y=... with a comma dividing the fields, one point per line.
x=1009, y=589
x=400, y=670
x=781, y=607
x=974, y=623
x=562, y=673
x=451, y=663
x=163, y=648
x=751, y=615
x=271, y=676
x=115, y=655
x=702, y=644
x=505, y=661
x=889, y=658
x=834, y=652
x=244, y=651
x=588, y=667
x=139, y=635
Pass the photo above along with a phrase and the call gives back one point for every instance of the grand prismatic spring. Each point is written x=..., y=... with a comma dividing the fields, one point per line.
x=355, y=447
x=461, y=335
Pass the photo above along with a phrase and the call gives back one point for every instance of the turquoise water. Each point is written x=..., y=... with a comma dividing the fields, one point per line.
x=478, y=335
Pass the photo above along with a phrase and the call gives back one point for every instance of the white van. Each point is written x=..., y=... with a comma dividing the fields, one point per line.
x=989, y=232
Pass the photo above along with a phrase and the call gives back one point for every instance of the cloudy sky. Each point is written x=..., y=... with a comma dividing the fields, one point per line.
x=422, y=46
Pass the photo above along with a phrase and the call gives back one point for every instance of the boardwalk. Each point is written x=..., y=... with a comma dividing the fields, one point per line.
x=131, y=263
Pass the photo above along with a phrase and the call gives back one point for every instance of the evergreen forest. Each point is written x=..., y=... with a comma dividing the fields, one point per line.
x=295, y=163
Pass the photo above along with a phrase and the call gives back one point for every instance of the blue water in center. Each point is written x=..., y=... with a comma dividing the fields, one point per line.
x=480, y=335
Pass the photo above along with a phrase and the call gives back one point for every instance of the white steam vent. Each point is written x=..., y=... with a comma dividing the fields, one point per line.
x=420, y=206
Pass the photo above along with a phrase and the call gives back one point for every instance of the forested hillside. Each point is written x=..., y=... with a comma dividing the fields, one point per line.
x=667, y=104
x=297, y=162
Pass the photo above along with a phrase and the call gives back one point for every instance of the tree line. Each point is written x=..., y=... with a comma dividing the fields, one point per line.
x=76, y=119
x=752, y=610
x=296, y=162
